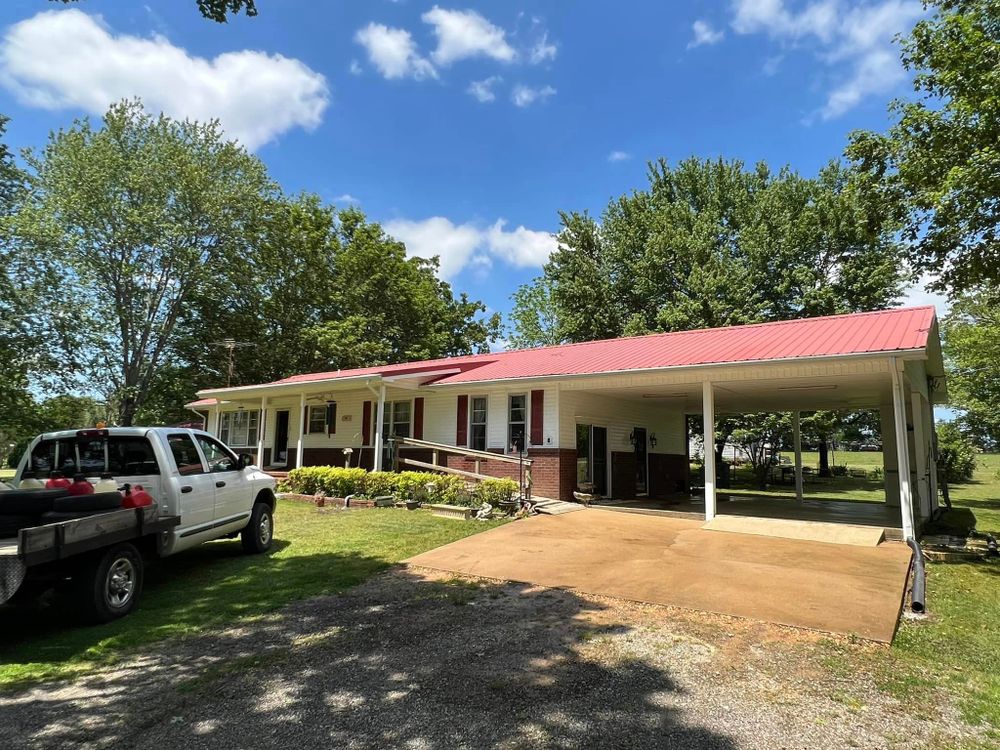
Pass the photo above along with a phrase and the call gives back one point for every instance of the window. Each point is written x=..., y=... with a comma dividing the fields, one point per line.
x=396, y=422
x=121, y=455
x=317, y=420
x=218, y=456
x=477, y=424
x=239, y=428
x=185, y=454
x=517, y=413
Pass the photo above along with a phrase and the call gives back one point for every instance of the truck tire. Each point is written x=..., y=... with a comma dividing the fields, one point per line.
x=110, y=586
x=258, y=534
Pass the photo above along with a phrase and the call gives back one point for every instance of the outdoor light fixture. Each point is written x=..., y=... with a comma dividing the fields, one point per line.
x=631, y=437
x=652, y=439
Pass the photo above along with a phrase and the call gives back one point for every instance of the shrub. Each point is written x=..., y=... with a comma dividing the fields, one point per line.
x=379, y=483
x=956, y=453
x=495, y=491
x=332, y=481
x=838, y=470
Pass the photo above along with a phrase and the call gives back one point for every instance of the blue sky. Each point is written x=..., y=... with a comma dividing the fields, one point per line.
x=464, y=128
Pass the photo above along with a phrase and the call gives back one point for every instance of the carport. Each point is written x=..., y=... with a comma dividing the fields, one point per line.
x=835, y=588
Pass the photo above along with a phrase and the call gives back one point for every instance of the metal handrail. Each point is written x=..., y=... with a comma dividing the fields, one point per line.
x=471, y=452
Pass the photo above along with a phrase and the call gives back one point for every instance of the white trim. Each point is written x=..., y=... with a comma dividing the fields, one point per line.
x=526, y=423
x=797, y=447
x=486, y=424
x=380, y=416
x=708, y=421
x=274, y=440
x=920, y=453
x=261, y=426
x=300, y=445
x=902, y=449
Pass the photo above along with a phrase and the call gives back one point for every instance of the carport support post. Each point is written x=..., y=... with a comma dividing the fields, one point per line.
x=260, y=431
x=797, y=446
x=902, y=449
x=300, y=444
x=708, y=418
x=378, y=428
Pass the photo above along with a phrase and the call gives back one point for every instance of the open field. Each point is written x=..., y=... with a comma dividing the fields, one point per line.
x=216, y=585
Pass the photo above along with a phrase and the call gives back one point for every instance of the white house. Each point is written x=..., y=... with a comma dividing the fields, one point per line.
x=609, y=413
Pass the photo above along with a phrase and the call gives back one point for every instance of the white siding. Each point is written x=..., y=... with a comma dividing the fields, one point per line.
x=620, y=416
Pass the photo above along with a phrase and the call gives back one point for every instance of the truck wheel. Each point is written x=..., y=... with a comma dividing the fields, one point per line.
x=111, y=586
x=259, y=531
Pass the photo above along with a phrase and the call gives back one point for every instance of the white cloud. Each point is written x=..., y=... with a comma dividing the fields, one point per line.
x=461, y=246
x=855, y=39
x=66, y=59
x=464, y=33
x=543, y=50
x=346, y=199
x=355, y=68
x=704, y=34
x=394, y=53
x=616, y=156
x=483, y=90
x=525, y=96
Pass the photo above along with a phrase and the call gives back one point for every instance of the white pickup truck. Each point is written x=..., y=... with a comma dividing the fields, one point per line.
x=201, y=491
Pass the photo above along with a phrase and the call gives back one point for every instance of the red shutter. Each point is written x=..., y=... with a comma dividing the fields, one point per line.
x=331, y=418
x=418, y=418
x=366, y=423
x=537, y=417
x=462, y=425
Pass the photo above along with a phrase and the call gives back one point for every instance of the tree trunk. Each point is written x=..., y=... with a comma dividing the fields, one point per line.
x=824, y=457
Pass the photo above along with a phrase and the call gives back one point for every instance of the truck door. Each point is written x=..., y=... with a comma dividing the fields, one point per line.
x=195, y=485
x=233, y=491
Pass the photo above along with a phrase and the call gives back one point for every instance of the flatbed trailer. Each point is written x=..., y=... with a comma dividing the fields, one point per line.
x=102, y=554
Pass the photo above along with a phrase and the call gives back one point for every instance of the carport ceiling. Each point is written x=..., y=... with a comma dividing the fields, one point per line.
x=780, y=395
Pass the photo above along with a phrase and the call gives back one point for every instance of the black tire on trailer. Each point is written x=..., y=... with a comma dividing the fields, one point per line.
x=109, y=586
x=258, y=534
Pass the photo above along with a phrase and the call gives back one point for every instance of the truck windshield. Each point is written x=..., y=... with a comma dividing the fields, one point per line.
x=122, y=456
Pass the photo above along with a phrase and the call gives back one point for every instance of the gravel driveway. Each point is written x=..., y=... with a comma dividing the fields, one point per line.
x=411, y=660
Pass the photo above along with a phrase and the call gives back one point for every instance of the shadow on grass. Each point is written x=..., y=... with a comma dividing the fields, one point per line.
x=210, y=585
x=399, y=662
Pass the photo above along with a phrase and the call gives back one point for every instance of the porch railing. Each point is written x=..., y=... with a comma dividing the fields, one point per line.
x=437, y=449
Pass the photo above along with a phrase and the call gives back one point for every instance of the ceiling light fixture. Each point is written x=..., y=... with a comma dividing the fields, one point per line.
x=807, y=388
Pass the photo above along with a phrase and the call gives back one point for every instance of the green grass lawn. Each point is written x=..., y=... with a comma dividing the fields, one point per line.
x=958, y=646
x=315, y=552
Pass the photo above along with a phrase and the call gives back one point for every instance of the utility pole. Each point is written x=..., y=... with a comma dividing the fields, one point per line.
x=231, y=345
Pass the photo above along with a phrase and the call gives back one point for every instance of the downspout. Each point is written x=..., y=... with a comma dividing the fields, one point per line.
x=917, y=593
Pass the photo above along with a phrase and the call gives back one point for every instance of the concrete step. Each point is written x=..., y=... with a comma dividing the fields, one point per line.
x=814, y=531
x=551, y=507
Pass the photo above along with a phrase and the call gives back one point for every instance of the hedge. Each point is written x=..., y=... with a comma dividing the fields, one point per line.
x=334, y=481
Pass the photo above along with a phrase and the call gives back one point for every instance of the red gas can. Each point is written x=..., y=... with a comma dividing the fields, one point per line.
x=136, y=497
x=57, y=481
x=81, y=486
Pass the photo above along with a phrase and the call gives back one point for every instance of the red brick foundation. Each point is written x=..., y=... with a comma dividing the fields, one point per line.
x=553, y=470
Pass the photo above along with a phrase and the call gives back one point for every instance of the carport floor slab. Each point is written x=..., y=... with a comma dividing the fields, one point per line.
x=830, y=587
x=784, y=528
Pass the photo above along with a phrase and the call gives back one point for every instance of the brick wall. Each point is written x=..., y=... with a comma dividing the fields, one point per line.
x=553, y=470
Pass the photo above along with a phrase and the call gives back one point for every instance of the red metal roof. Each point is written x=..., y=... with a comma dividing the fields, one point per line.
x=901, y=329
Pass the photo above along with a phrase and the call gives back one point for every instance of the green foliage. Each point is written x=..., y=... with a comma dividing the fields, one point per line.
x=334, y=481
x=711, y=243
x=972, y=350
x=216, y=10
x=137, y=216
x=495, y=491
x=956, y=453
x=938, y=166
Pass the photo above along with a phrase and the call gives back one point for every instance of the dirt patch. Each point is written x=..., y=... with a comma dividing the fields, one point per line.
x=426, y=660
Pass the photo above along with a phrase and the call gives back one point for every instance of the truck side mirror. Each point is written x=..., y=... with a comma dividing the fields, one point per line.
x=245, y=460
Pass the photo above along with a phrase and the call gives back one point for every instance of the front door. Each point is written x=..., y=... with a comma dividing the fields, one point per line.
x=592, y=458
x=599, y=457
x=280, y=450
x=639, y=433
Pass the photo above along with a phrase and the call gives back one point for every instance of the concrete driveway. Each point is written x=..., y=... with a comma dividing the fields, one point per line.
x=828, y=587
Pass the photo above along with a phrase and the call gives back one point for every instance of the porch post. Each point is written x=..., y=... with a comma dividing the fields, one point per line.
x=300, y=444
x=708, y=419
x=797, y=446
x=378, y=428
x=902, y=449
x=260, y=431
x=920, y=453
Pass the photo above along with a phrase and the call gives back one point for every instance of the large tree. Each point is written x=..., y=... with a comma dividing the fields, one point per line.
x=141, y=214
x=972, y=348
x=712, y=243
x=938, y=166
